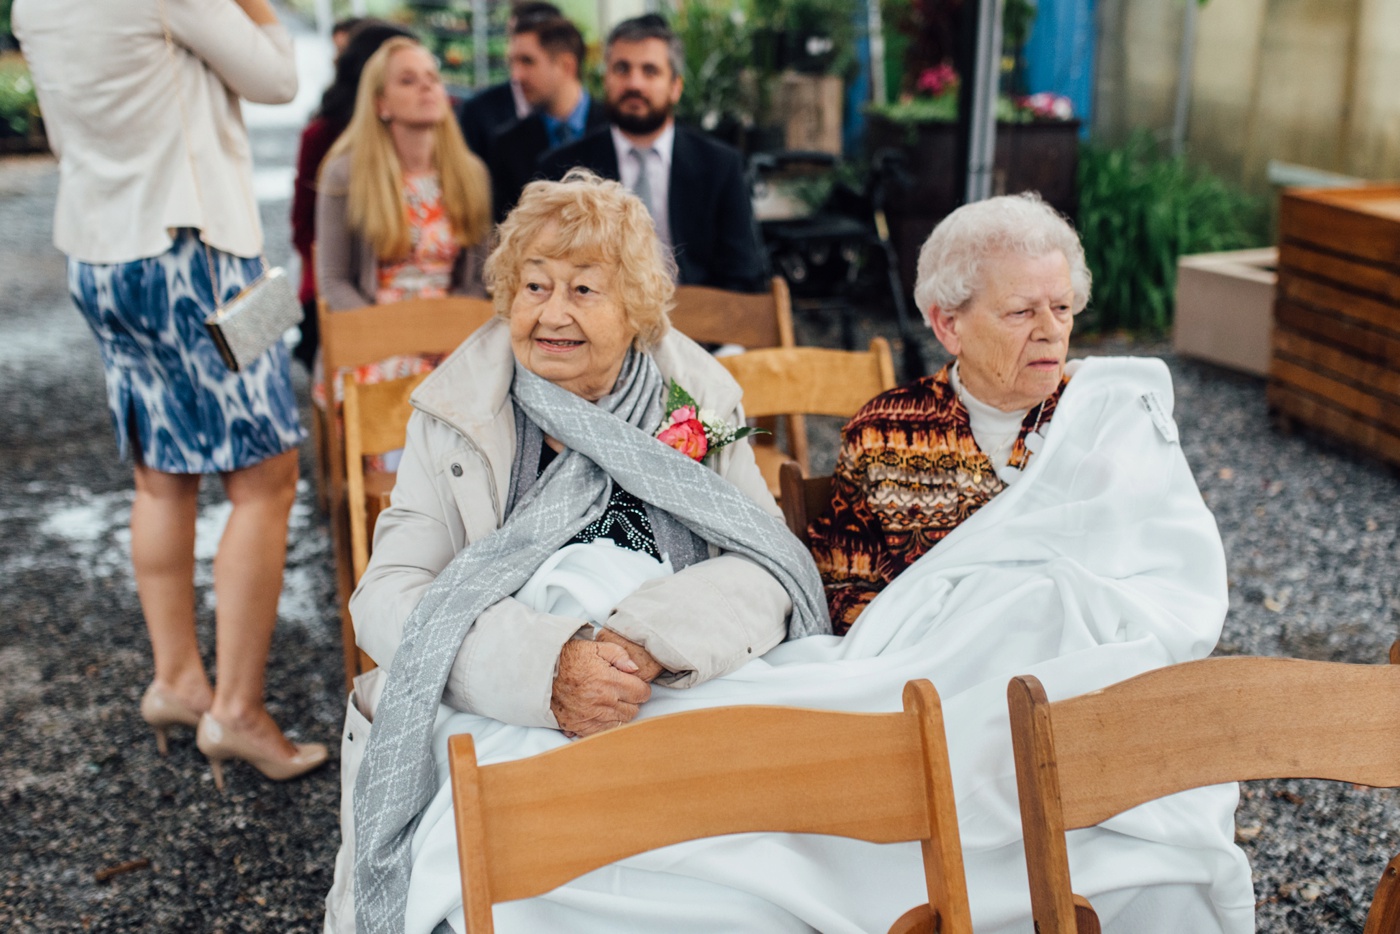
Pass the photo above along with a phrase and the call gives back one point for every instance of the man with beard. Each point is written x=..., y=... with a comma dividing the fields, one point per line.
x=693, y=185
x=546, y=58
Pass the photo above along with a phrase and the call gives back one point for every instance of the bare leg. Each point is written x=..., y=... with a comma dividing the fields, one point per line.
x=162, y=557
x=247, y=583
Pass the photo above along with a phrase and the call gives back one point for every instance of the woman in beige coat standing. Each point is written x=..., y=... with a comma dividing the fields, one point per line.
x=157, y=216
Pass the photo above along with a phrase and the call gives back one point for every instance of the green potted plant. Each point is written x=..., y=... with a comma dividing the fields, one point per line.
x=719, y=95
x=21, y=129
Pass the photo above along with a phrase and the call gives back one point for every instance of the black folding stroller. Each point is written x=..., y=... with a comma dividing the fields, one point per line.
x=839, y=255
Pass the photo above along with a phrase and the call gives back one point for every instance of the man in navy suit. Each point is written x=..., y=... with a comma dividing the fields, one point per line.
x=494, y=108
x=546, y=59
x=693, y=185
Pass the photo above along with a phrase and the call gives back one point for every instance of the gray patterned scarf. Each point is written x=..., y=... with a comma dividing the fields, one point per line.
x=609, y=442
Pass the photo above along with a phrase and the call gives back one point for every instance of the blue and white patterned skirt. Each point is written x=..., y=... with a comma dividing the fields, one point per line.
x=165, y=379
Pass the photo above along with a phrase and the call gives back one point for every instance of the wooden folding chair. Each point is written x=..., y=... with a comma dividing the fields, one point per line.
x=716, y=316
x=1082, y=760
x=803, y=498
x=522, y=830
x=807, y=381
x=751, y=321
x=376, y=421
x=354, y=338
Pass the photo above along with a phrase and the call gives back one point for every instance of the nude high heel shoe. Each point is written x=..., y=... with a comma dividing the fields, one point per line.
x=162, y=711
x=220, y=744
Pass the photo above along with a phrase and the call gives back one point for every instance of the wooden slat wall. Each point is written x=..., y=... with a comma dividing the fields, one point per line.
x=1336, y=345
x=1310, y=82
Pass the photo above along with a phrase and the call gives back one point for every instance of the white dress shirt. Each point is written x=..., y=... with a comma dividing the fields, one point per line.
x=658, y=163
x=147, y=144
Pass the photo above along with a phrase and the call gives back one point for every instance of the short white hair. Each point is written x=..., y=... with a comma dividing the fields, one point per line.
x=950, y=262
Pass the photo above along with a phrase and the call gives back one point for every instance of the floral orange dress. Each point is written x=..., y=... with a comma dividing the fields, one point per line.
x=426, y=272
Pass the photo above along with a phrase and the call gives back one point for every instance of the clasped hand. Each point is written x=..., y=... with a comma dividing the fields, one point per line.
x=601, y=684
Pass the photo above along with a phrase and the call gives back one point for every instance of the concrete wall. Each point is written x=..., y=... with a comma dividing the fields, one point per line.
x=1305, y=81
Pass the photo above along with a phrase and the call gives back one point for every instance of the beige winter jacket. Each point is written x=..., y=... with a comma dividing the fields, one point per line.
x=452, y=486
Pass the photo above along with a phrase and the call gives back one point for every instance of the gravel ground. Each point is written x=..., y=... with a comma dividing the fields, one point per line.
x=1310, y=534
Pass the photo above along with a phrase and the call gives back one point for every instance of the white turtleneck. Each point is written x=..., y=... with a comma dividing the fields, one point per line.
x=994, y=431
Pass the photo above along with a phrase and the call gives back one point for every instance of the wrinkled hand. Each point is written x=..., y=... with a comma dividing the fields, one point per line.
x=596, y=689
x=647, y=667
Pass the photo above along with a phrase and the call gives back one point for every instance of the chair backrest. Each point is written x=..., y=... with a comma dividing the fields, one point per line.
x=420, y=325
x=354, y=338
x=811, y=381
x=363, y=335
x=1082, y=760
x=376, y=421
x=522, y=831
x=804, y=498
x=716, y=316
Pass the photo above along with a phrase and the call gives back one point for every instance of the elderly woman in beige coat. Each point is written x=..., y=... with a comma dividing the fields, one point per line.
x=573, y=520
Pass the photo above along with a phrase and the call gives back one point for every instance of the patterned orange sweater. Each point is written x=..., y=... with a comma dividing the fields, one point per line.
x=908, y=473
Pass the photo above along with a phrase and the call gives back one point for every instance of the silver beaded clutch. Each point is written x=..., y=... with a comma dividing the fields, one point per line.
x=255, y=319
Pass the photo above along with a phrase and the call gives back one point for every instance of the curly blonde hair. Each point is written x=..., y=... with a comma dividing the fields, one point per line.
x=591, y=219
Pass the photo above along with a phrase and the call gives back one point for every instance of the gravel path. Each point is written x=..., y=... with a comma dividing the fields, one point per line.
x=1310, y=532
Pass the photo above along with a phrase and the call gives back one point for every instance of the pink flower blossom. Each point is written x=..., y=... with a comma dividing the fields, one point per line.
x=937, y=80
x=1047, y=106
x=687, y=436
x=684, y=413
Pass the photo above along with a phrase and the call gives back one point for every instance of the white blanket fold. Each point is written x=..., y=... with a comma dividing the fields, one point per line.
x=1100, y=563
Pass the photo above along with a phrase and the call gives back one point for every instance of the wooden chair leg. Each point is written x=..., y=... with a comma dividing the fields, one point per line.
x=1086, y=919
x=319, y=424
x=344, y=586
x=917, y=920
x=1384, y=916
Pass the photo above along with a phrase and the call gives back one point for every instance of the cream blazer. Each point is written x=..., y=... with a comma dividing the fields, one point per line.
x=112, y=100
x=701, y=622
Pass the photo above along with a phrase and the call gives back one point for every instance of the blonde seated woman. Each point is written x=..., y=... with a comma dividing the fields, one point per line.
x=403, y=207
x=550, y=567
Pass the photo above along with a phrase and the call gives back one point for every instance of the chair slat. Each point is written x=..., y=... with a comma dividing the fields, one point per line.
x=810, y=380
x=717, y=316
x=545, y=820
x=1232, y=719
x=746, y=788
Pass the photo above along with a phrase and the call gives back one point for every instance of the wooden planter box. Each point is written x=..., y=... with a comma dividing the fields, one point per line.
x=1041, y=157
x=1225, y=308
x=1336, y=345
x=809, y=109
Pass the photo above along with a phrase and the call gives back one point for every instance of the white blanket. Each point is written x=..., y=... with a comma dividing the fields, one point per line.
x=1101, y=562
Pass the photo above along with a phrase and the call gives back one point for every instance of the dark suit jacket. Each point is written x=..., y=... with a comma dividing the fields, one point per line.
x=516, y=152
x=712, y=226
x=485, y=114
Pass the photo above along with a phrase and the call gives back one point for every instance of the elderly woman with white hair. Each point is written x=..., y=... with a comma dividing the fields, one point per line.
x=994, y=520
x=1000, y=281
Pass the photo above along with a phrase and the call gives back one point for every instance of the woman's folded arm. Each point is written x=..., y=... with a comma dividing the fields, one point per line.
x=705, y=620
x=506, y=665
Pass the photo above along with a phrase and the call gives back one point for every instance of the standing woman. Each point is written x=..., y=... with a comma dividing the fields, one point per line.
x=141, y=103
x=404, y=207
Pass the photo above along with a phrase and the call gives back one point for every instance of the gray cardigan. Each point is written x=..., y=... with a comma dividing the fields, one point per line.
x=347, y=270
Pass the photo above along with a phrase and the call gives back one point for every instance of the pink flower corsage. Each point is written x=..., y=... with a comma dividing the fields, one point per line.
x=694, y=432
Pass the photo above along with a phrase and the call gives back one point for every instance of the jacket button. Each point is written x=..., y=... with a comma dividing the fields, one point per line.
x=456, y=470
